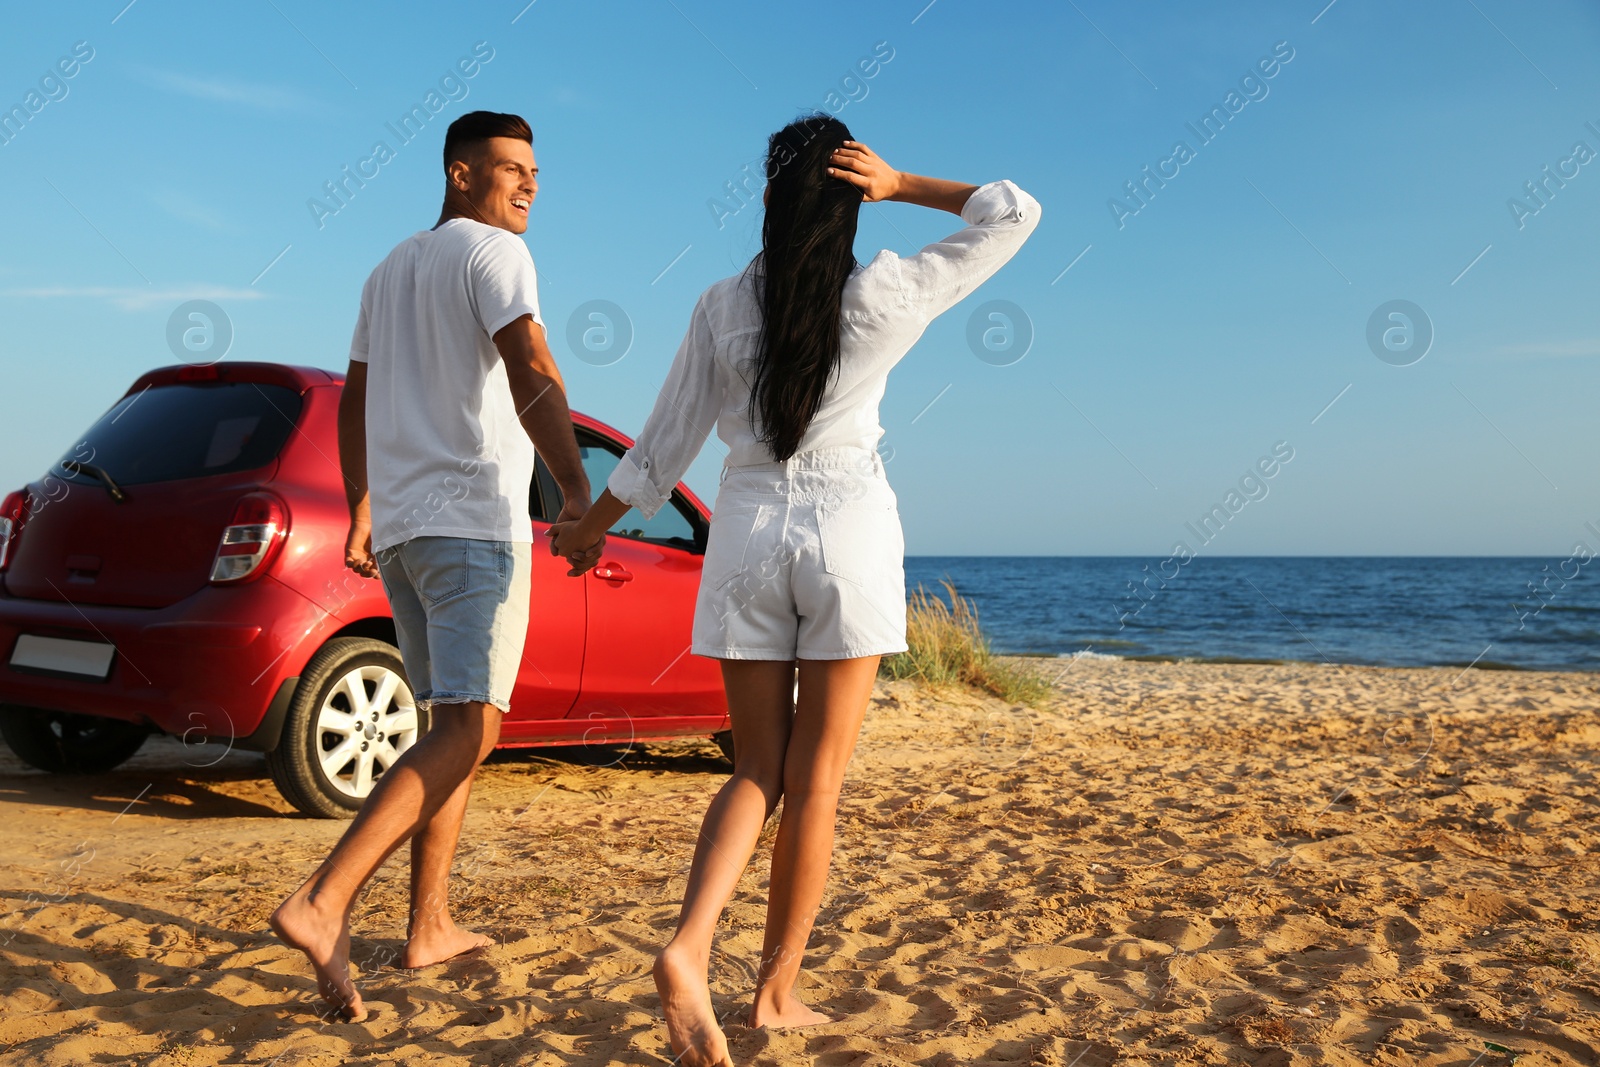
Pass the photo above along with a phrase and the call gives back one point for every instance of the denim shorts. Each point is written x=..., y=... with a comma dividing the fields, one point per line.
x=805, y=560
x=460, y=610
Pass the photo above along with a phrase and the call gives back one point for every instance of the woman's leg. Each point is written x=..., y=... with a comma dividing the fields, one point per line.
x=833, y=701
x=761, y=706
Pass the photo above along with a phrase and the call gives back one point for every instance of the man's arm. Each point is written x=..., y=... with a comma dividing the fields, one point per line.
x=541, y=399
x=353, y=464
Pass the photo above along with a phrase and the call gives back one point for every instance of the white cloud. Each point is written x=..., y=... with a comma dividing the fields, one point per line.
x=263, y=97
x=187, y=208
x=567, y=96
x=1577, y=346
x=135, y=298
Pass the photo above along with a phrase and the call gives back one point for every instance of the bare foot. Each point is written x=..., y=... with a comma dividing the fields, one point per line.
x=692, y=1030
x=439, y=942
x=789, y=1012
x=325, y=939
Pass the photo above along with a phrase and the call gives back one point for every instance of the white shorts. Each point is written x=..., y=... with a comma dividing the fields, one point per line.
x=806, y=560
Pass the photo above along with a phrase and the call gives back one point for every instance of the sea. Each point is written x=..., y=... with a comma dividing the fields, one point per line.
x=1506, y=613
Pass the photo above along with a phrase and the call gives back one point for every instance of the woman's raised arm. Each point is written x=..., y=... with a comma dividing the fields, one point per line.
x=859, y=165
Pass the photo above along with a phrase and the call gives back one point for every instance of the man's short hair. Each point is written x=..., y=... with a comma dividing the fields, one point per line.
x=476, y=127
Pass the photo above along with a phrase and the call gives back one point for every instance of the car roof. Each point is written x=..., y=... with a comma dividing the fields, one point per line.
x=262, y=373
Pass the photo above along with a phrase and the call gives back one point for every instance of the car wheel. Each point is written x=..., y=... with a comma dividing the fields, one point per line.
x=351, y=718
x=62, y=743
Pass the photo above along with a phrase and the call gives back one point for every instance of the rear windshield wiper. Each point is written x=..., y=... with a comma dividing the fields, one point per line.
x=96, y=472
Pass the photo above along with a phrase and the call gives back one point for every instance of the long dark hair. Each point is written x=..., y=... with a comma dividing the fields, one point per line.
x=807, y=253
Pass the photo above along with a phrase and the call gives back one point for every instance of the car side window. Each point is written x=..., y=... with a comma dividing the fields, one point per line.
x=544, y=498
x=672, y=525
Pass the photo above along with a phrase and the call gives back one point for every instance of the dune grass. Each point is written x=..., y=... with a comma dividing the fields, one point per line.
x=947, y=647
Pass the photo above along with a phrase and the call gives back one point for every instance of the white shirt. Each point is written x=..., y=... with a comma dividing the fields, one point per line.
x=446, y=454
x=886, y=307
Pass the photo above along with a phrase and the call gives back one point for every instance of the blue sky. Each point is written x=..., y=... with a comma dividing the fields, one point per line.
x=1186, y=340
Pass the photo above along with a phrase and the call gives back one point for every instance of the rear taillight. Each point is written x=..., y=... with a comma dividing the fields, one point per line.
x=252, y=539
x=13, y=513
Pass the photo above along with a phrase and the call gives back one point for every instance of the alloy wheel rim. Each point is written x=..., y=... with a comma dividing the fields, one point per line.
x=366, y=721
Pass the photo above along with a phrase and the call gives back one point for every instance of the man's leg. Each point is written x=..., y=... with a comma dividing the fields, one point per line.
x=432, y=935
x=475, y=647
x=316, y=917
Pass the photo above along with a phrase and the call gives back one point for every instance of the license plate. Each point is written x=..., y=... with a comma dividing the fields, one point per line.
x=86, y=659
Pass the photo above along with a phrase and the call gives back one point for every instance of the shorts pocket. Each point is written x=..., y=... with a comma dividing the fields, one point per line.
x=732, y=543
x=860, y=541
x=437, y=567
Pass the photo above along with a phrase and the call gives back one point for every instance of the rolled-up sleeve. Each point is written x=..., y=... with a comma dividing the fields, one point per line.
x=685, y=412
x=999, y=216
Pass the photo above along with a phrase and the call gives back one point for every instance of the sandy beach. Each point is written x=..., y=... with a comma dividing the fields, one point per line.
x=1163, y=863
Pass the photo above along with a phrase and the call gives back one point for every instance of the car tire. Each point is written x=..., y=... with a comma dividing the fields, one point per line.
x=353, y=709
x=63, y=743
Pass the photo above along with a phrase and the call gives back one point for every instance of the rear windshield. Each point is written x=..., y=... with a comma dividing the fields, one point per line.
x=189, y=430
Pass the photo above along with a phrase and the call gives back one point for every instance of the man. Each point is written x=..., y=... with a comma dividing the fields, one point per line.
x=451, y=388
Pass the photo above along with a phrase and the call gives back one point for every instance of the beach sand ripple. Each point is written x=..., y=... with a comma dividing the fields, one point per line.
x=1165, y=864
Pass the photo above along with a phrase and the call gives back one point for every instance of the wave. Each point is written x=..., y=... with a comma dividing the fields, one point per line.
x=1486, y=665
x=1155, y=657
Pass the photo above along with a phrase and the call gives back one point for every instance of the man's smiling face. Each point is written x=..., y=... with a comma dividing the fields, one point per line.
x=499, y=179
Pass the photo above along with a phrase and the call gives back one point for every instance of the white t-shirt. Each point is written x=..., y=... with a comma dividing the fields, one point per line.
x=885, y=307
x=446, y=454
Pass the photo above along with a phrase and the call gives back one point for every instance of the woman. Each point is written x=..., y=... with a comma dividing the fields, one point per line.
x=804, y=563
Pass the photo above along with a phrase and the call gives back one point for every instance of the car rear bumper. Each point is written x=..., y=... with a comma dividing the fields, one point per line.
x=217, y=664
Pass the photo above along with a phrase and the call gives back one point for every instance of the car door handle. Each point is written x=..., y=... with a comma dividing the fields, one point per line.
x=611, y=572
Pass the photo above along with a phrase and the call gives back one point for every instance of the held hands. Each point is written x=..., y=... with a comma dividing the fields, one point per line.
x=568, y=538
x=859, y=165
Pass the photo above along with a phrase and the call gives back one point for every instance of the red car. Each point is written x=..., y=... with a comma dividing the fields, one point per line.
x=181, y=570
